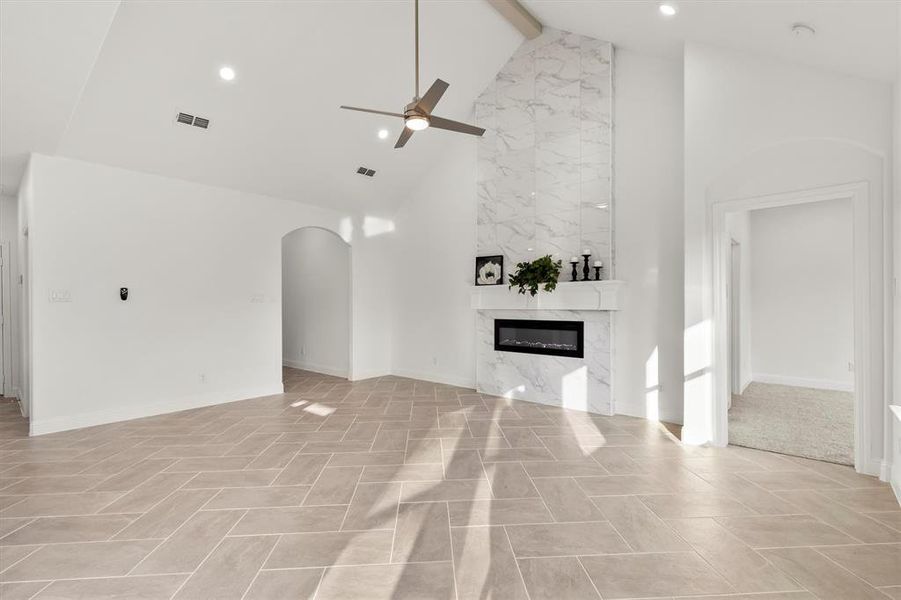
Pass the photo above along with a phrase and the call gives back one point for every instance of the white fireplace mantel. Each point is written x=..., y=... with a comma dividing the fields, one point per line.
x=570, y=295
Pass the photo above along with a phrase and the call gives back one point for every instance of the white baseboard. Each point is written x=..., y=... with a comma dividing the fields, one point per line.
x=444, y=378
x=874, y=468
x=638, y=410
x=695, y=438
x=894, y=468
x=368, y=374
x=125, y=413
x=22, y=407
x=323, y=369
x=819, y=384
x=896, y=481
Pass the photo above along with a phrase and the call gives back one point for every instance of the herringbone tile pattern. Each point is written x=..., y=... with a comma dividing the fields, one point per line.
x=394, y=488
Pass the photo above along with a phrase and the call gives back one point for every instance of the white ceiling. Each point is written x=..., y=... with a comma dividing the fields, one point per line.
x=47, y=51
x=855, y=37
x=277, y=128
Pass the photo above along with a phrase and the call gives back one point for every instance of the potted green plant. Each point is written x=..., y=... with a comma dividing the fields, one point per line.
x=542, y=271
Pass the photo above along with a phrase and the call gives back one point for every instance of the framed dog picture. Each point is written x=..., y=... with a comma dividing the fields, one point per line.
x=490, y=270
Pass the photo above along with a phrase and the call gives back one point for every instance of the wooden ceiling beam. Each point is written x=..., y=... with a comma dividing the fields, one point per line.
x=518, y=16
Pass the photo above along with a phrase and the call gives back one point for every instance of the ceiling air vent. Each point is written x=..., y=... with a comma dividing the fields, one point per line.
x=186, y=119
x=365, y=171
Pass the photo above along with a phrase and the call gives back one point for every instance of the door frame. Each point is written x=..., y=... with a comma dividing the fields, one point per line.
x=735, y=315
x=5, y=321
x=858, y=194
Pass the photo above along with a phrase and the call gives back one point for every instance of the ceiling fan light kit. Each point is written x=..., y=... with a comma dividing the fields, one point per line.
x=416, y=122
x=418, y=115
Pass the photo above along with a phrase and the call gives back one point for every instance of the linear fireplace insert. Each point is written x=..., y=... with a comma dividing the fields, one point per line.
x=557, y=338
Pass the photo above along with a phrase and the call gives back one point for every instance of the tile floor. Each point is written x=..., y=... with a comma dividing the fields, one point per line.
x=394, y=488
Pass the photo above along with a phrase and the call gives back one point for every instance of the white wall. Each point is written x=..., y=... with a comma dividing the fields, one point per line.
x=371, y=297
x=648, y=236
x=202, y=324
x=738, y=226
x=9, y=226
x=802, y=295
x=24, y=214
x=316, y=301
x=756, y=126
x=895, y=439
x=433, y=325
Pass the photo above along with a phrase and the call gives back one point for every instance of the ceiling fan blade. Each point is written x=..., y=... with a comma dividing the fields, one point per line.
x=369, y=110
x=405, y=135
x=432, y=96
x=439, y=123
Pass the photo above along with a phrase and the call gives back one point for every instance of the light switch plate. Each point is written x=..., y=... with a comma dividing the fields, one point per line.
x=60, y=296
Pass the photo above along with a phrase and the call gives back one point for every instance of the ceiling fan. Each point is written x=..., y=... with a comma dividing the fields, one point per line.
x=417, y=114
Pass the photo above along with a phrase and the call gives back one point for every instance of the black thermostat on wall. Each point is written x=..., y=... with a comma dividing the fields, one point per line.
x=123, y=294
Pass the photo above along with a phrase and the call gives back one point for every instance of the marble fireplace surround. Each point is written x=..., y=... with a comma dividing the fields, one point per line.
x=545, y=174
x=576, y=383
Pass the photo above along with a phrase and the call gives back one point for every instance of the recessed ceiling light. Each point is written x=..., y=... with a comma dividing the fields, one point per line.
x=383, y=134
x=226, y=73
x=667, y=10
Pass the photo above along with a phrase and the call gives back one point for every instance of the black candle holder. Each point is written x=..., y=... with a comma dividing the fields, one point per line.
x=586, y=271
x=597, y=273
x=575, y=273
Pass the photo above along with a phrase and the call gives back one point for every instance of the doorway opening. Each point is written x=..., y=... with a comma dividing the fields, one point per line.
x=791, y=317
x=316, y=302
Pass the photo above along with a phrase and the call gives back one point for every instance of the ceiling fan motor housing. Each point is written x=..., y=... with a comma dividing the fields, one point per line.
x=411, y=110
x=418, y=113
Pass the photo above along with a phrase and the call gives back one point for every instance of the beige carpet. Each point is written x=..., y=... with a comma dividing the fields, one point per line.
x=798, y=421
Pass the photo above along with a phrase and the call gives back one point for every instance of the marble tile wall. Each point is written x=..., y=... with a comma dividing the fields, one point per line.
x=545, y=162
x=545, y=187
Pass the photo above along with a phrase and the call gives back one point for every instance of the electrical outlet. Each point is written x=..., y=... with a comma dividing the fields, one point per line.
x=203, y=378
x=435, y=361
x=60, y=296
x=258, y=298
x=303, y=350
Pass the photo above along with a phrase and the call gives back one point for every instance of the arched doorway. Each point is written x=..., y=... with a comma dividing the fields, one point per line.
x=316, y=301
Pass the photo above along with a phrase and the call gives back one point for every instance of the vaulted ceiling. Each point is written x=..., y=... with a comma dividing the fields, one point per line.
x=102, y=80
x=47, y=52
x=276, y=129
x=854, y=37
